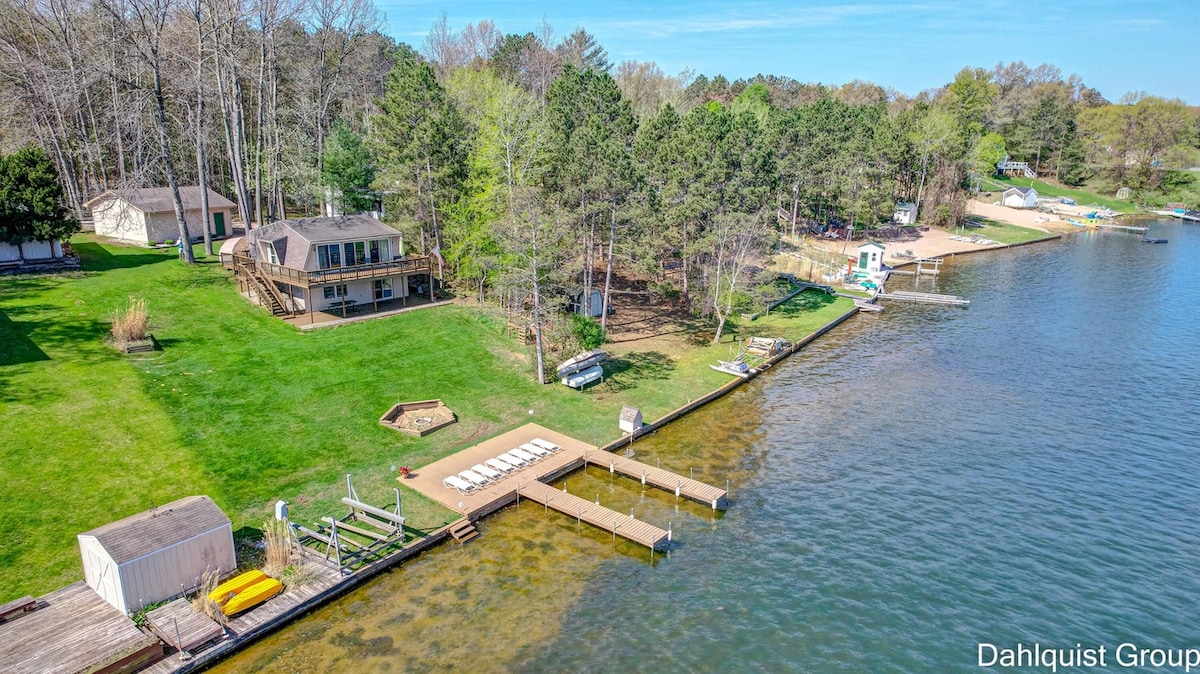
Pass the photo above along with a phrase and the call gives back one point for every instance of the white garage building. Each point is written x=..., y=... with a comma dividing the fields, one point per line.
x=157, y=554
x=147, y=215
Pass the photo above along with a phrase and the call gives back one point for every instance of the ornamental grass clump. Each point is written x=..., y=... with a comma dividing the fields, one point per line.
x=277, y=547
x=133, y=324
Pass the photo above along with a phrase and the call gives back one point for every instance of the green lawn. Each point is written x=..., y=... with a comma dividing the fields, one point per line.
x=1045, y=189
x=247, y=409
x=1004, y=232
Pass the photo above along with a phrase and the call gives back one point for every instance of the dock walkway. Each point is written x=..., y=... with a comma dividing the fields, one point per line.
x=606, y=518
x=663, y=479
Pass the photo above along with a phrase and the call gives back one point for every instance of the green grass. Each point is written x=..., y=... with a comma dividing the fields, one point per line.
x=1004, y=232
x=247, y=409
x=1045, y=189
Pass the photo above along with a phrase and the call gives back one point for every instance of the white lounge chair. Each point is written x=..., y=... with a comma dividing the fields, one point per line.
x=473, y=477
x=545, y=444
x=515, y=460
x=456, y=482
x=489, y=473
x=501, y=465
x=529, y=458
x=535, y=450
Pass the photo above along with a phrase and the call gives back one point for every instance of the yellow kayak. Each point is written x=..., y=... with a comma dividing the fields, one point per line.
x=252, y=596
x=235, y=585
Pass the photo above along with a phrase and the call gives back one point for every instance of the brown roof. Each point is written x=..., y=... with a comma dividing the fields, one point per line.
x=158, y=199
x=146, y=532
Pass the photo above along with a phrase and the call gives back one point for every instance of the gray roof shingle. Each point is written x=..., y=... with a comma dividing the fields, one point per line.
x=158, y=199
x=146, y=532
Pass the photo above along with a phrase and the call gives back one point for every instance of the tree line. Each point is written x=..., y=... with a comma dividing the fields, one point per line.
x=533, y=165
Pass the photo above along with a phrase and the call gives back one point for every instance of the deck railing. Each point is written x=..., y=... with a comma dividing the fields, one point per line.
x=407, y=265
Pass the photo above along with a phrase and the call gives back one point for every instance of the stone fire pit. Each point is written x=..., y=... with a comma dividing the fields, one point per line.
x=418, y=418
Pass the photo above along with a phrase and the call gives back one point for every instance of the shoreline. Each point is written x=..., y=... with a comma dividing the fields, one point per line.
x=431, y=541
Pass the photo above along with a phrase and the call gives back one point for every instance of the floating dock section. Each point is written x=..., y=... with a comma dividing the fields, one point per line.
x=531, y=482
x=620, y=524
x=924, y=298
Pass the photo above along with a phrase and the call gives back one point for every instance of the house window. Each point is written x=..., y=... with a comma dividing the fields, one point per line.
x=272, y=256
x=334, y=292
x=356, y=252
x=380, y=250
x=383, y=288
x=329, y=257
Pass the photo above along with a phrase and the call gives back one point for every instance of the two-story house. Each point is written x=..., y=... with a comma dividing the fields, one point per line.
x=329, y=265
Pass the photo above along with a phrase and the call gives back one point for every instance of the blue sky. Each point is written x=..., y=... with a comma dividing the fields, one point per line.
x=1116, y=47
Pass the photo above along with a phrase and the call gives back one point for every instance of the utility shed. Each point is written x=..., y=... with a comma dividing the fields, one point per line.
x=157, y=554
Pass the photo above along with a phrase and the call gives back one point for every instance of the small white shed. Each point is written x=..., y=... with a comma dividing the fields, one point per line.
x=157, y=554
x=631, y=419
x=905, y=214
x=1020, y=197
x=147, y=215
x=870, y=257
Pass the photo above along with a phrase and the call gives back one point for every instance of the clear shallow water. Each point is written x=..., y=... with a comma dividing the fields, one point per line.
x=913, y=484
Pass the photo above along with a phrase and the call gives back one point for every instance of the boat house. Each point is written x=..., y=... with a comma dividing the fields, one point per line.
x=1020, y=197
x=157, y=554
x=870, y=258
x=148, y=215
x=328, y=264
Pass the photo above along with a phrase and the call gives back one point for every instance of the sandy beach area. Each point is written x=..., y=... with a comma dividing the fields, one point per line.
x=938, y=242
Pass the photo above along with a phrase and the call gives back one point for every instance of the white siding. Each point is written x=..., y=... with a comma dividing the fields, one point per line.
x=172, y=571
x=118, y=220
x=9, y=253
x=37, y=250
x=100, y=572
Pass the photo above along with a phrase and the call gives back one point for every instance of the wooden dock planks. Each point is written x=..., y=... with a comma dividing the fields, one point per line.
x=75, y=631
x=597, y=515
x=663, y=479
x=195, y=629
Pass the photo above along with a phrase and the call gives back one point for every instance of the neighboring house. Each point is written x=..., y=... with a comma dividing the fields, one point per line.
x=1020, y=197
x=158, y=554
x=37, y=256
x=905, y=214
x=320, y=264
x=147, y=215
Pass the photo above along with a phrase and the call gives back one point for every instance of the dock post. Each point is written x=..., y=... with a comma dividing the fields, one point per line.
x=677, y=485
x=579, y=520
x=668, y=532
x=178, y=639
x=643, y=477
x=691, y=474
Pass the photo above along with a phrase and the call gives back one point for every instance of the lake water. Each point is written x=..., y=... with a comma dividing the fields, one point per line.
x=917, y=482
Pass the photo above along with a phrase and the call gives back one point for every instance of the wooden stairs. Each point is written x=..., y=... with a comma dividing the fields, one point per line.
x=463, y=531
x=266, y=291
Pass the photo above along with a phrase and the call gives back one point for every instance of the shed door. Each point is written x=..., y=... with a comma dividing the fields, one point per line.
x=862, y=260
x=219, y=224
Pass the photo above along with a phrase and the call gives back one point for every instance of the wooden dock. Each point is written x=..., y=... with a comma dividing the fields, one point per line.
x=503, y=491
x=625, y=526
x=179, y=625
x=924, y=298
x=686, y=487
x=75, y=631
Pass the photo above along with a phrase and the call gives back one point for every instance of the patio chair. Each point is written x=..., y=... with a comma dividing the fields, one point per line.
x=473, y=477
x=545, y=444
x=489, y=473
x=456, y=482
x=515, y=460
x=501, y=465
x=535, y=450
x=520, y=453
